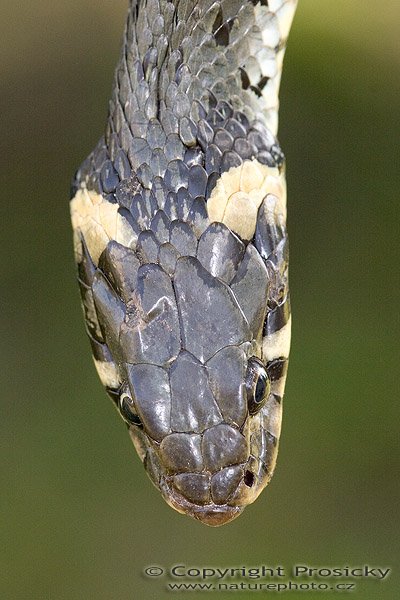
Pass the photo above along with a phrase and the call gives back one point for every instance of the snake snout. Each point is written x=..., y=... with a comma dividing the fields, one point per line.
x=207, y=475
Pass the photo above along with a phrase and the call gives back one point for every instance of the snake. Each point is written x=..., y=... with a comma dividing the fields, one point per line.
x=181, y=248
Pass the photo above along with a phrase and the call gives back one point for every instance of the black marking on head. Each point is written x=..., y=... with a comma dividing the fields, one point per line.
x=277, y=318
x=248, y=478
x=277, y=368
x=244, y=78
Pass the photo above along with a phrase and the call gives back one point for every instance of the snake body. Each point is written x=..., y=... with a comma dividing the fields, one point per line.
x=179, y=218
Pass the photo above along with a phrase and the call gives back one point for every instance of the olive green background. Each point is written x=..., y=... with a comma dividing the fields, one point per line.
x=79, y=517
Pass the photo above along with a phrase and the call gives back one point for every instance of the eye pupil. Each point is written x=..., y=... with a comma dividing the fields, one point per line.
x=260, y=389
x=127, y=410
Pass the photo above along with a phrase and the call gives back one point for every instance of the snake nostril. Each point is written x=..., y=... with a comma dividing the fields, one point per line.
x=248, y=478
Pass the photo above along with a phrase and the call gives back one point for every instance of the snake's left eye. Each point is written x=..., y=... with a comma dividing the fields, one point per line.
x=258, y=385
x=127, y=410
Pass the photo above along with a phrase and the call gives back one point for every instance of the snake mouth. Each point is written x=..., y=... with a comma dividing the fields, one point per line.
x=211, y=514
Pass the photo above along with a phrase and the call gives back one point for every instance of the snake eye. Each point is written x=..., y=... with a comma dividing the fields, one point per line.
x=127, y=410
x=258, y=385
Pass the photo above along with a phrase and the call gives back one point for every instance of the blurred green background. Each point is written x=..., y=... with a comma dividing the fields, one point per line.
x=79, y=517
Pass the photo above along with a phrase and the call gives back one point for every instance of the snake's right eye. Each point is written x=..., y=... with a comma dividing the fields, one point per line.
x=258, y=385
x=127, y=410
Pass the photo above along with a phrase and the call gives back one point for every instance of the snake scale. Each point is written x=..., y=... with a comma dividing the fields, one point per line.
x=179, y=219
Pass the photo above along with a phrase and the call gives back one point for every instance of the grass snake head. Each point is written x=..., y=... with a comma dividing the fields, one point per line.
x=179, y=218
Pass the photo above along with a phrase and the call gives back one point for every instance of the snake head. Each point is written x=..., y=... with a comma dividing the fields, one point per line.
x=179, y=218
x=189, y=329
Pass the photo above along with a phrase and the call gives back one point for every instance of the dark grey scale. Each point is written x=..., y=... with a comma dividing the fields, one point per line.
x=169, y=120
x=229, y=160
x=226, y=373
x=267, y=237
x=150, y=201
x=181, y=452
x=213, y=159
x=176, y=175
x=113, y=145
x=100, y=351
x=214, y=118
x=225, y=109
x=139, y=211
x=145, y=176
x=188, y=132
x=150, y=386
x=170, y=94
x=184, y=79
x=122, y=165
x=86, y=268
x=183, y=202
x=222, y=446
x=198, y=217
x=261, y=137
x=279, y=257
x=235, y=128
x=151, y=106
x=158, y=163
x=170, y=206
x=205, y=134
x=194, y=486
x=125, y=137
x=194, y=156
x=160, y=226
x=197, y=181
x=151, y=333
x=160, y=191
x=277, y=318
x=224, y=483
x=139, y=153
x=204, y=331
x=110, y=311
x=277, y=368
x=223, y=140
x=167, y=257
x=149, y=62
x=190, y=388
x=89, y=311
x=120, y=265
x=250, y=287
x=220, y=252
x=142, y=93
x=212, y=181
x=155, y=134
x=265, y=158
x=243, y=120
x=197, y=112
x=147, y=247
x=109, y=177
x=138, y=123
x=271, y=444
x=182, y=238
x=244, y=149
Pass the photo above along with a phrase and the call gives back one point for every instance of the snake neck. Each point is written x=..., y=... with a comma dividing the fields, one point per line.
x=180, y=58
